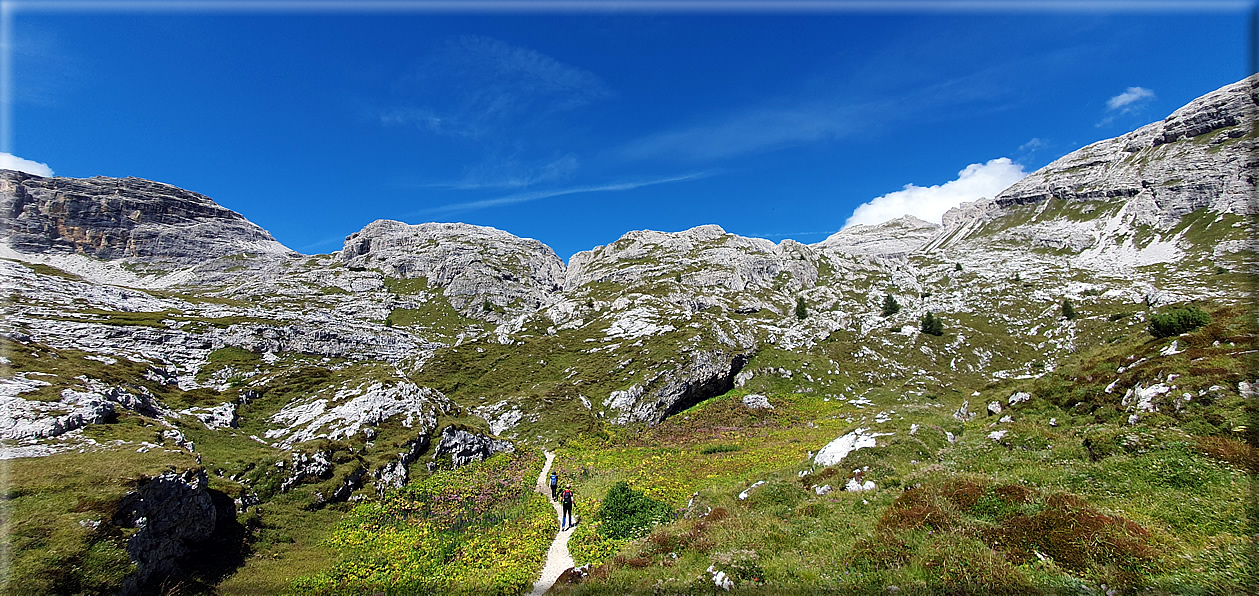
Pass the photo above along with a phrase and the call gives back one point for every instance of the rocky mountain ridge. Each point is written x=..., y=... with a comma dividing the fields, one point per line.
x=146, y=319
x=113, y=218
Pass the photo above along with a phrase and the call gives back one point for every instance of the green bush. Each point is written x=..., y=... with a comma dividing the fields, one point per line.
x=719, y=449
x=1177, y=321
x=626, y=512
x=802, y=309
x=1068, y=309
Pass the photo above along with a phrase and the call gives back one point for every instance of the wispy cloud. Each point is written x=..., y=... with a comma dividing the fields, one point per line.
x=473, y=86
x=525, y=197
x=513, y=173
x=820, y=116
x=1032, y=145
x=8, y=161
x=1130, y=99
x=930, y=202
x=747, y=131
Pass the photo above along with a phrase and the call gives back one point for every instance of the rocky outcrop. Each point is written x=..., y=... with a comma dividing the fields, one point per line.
x=704, y=257
x=174, y=514
x=472, y=265
x=464, y=447
x=704, y=375
x=113, y=218
x=355, y=410
x=96, y=403
x=306, y=467
x=394, y=474
x=894, y=237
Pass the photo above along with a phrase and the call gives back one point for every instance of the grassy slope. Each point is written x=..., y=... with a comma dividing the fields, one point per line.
x=1160, y=504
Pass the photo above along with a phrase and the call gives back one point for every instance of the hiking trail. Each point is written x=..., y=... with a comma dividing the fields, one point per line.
x=557, y=558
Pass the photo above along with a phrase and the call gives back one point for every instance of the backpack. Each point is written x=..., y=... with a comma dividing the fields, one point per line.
x=555, y=480
x=567, y=497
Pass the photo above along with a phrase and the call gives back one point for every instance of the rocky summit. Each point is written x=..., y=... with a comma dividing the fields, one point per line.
x=905, y=401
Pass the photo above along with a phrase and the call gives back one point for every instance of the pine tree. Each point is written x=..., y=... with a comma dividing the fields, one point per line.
x=1068, y=309
x=802, y=309
x=931, y=325
x=890, y=306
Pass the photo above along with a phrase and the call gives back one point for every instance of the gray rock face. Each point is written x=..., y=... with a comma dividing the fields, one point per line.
x=472, y=264
x=465, y=447
x=394, y=474
x=172, y=512
x=22, y=419
x=354, y=410
x=113, y=218
x=704, y=375
x=1201, y=156
x=306, y=467
x=704, y=257
x=894, y=237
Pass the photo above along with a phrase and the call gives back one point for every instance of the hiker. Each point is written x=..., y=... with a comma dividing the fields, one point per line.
x=566, y=499
x=555, y=485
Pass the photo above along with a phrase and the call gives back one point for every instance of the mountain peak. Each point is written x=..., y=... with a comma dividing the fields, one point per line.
x=894, y=236
x=114, y=218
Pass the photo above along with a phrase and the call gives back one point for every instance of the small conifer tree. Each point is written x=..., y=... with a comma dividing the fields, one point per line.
x=802, y=309
x=931, y=324
x=957, y=266
x=1068, y=309
x=890, y=306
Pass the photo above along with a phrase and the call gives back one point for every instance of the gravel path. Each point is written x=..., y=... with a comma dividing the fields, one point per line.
x=557, y=559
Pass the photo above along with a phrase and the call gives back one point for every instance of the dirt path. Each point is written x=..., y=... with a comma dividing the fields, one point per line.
x=557, y=559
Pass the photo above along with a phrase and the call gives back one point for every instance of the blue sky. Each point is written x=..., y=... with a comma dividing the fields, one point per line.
x=574, y=127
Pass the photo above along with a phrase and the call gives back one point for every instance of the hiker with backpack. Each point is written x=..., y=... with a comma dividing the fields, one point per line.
x=566, y=500
x=555, y=485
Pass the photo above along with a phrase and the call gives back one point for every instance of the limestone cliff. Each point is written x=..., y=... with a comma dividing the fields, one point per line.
x=1201, y=156
x=113, y=218
x=480, y=270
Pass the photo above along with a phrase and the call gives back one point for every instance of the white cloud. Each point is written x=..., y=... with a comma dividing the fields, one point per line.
x=1130, y=96
x=930, y=202
x=1129, y=99
x=8, y=161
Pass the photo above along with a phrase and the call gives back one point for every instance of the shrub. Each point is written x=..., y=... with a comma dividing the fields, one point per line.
x=802, y=309
x=1177, y=321
x=890, y=306
x=719, y=449
x=931, y=325
x=626, y=512
x=1068, y=309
